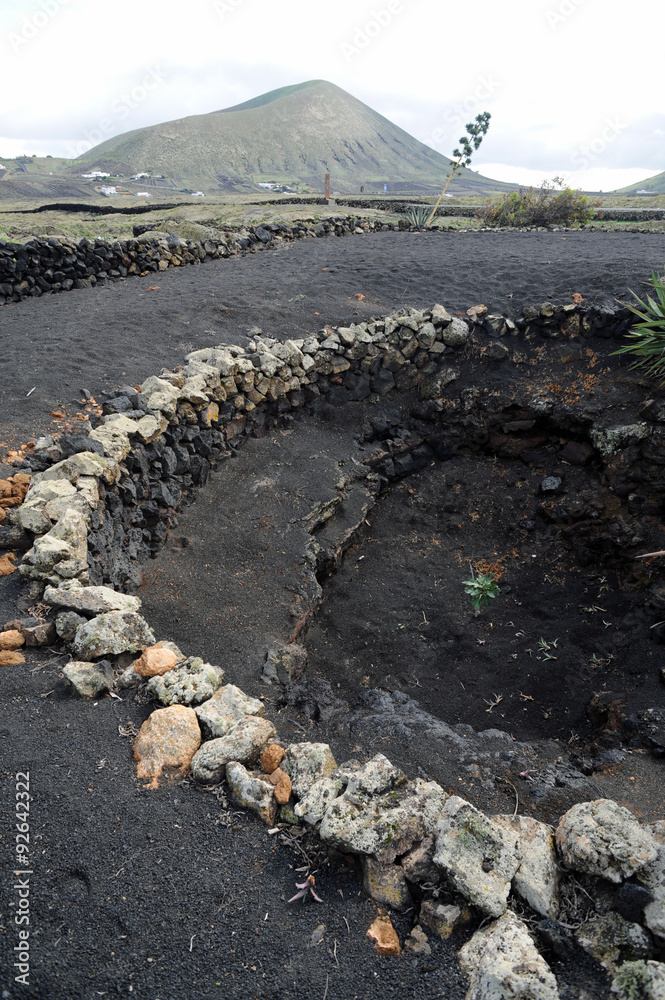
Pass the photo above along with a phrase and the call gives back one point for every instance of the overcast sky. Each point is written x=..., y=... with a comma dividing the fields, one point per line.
x=574, y=87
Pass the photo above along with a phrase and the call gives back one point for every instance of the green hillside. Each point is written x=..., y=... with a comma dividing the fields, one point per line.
x=293, y=135
x=655, y=185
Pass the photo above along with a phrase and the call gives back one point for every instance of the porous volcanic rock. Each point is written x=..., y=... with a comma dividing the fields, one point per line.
x=478, y=856
x=604, y=838
x=252, y=792
x=111, y=634
x=89, y=679
x=189, y=684
x=72, y=596
x=502, y=963
x=243, y=743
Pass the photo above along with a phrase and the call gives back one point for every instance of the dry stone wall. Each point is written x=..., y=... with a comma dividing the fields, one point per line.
x=58, y=264
x=100, y=503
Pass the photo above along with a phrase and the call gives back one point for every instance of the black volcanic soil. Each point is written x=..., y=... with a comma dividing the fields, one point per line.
x=169, y=893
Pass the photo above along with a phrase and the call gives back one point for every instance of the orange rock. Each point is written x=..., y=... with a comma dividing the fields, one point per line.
x=11, y=640
x=155, y=661
x=10, y=659
x=385, y=936
x=168, y=738
x=7, y=564
x=2, y=514
x=282, y=783
x=272, y=757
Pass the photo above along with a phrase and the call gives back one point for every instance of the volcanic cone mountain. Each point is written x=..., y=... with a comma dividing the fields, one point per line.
x=293, y=135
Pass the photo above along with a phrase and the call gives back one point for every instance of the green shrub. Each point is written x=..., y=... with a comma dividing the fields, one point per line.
x=647, y=339
x=481, y=589
x=544, y=206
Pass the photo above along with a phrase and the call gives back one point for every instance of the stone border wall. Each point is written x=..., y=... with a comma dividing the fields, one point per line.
x=57, y=264
x=102, y=502
x=126, y=476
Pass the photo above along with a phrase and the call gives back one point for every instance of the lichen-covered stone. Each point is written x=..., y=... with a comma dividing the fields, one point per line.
x=609, y=440
x=83, y=463
x=502, y=963
x=441, y=316
x=305, y=763
x=93, y=600
x=456, y=333
x=537, y=878
x=612, y=940
x=314, y=803
x=604, y=838
x=114, y=441
x=252, y=792
x=640, y=981
x=66, y=543
x=479, y=857
x=385, y=883
x=112, y=633
x=168, y=739
x=227, y=706
x=243, y=743
x=189, y=684
x=375, y=777
x=89, y=679
x=386, y=824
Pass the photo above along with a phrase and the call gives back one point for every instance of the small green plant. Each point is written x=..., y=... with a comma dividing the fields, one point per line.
x=546, y=648
x=544, y=206
x=416, y=215
x=647, y=339
x=481, y=589
x=476, y=131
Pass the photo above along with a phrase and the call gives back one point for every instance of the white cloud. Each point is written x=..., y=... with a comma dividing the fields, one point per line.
x=593, y=179
x=546, y=72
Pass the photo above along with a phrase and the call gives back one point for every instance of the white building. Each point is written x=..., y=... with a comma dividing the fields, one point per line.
x=108, y=191
x=198, y=194
x=140, y=177
x=142, y=194
x=96, y=174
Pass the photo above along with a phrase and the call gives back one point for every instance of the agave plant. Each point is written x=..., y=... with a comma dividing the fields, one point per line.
x=417, y=215
x=647, y=338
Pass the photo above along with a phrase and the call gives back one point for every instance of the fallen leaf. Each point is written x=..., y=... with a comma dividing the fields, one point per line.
x=57, y=414
x=153, y=288
x=361, y=298
x=577, y=297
